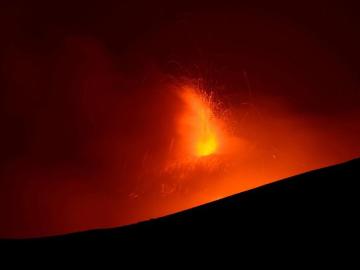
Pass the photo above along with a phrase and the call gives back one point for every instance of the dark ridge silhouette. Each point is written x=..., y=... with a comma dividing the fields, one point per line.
x=318, y=207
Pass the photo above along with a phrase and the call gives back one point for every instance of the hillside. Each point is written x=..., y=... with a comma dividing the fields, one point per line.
x=315, y=207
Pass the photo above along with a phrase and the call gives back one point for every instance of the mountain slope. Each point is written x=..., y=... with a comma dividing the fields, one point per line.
x=315, y=210
x=318, y=206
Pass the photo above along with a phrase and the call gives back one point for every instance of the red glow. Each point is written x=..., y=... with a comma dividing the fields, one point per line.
x=107, y=119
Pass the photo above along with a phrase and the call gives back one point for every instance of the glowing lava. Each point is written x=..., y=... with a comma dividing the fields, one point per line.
x=198, y=124
x=206, y=145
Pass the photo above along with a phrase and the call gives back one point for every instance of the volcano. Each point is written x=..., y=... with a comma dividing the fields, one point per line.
x=315, y=207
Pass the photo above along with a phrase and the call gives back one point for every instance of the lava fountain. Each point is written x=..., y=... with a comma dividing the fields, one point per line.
x=199, y=127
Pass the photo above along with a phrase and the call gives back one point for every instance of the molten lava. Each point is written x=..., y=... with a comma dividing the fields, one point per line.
x=207, y=145
x=198, y=125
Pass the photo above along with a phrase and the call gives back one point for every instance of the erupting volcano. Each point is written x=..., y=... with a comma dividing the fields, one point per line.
x=116, y=112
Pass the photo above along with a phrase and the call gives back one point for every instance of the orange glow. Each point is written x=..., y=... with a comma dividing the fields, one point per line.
x=198, y=124
x=207, y=145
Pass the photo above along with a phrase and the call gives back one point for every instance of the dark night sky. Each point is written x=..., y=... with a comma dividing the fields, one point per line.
x=84, y=93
